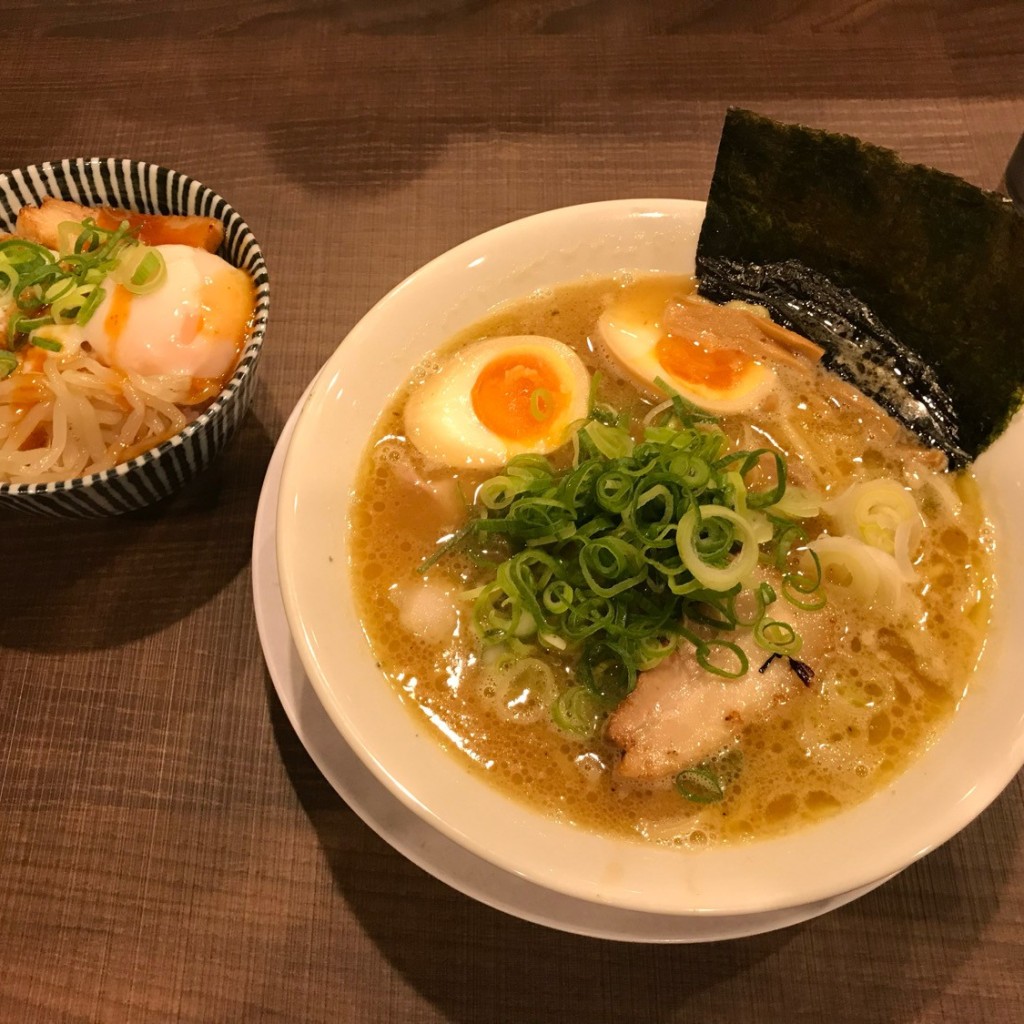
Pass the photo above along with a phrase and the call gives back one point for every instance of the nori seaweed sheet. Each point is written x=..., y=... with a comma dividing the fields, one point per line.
x=881, y=262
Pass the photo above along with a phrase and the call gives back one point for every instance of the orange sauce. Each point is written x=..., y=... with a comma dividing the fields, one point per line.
x=117, y=315
x=32, y=360
x=158, y=229
x=205, y=389
x=27, y=389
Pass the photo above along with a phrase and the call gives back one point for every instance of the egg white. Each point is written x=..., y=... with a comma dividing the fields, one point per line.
x=441, y=422
x=192, y=325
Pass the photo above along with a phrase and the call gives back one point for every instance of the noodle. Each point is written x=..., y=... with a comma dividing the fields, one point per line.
x=135, y=420
x=24, y=429
x=82, y=417
x=59, y=439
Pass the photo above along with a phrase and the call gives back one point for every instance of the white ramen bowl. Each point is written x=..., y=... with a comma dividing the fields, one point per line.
x=944, y=789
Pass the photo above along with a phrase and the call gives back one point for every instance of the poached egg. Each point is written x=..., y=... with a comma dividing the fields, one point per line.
x=193, y=325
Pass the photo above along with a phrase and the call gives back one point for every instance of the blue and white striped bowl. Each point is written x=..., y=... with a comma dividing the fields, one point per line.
x=159, y=472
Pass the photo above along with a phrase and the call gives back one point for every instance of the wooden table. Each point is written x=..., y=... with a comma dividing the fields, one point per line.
x=168, y=851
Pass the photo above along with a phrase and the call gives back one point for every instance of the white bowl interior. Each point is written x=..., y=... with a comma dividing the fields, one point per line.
x=944, y=789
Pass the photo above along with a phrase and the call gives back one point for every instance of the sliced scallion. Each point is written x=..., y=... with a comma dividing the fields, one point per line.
x=706, y=657
x=9, y=279
x=778, y=637
x=540, y=404
x=701, y=546
x=49, y=344
x=652, y=528
x=577, y=711
x=142, y=270
x=699, y=786
x=90, y=305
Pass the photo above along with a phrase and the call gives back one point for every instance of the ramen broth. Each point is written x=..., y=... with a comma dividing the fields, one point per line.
x=887, y=683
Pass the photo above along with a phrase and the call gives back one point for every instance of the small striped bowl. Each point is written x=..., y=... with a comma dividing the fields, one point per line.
x=159, y=472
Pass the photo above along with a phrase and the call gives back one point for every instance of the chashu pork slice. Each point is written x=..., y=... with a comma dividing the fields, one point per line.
x=680, y=713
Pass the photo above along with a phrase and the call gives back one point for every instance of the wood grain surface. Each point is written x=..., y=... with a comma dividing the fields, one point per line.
x=168, y=851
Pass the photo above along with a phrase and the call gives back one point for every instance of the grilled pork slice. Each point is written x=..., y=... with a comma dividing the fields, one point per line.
x=40, y=224
x=760, y=337
x=679, y=713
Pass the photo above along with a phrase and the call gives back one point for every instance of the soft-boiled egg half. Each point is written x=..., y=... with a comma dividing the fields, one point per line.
x=193, y=325
x=498, y=398
x=691, y=356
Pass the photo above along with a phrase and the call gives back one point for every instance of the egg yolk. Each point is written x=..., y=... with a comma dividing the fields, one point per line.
x=518, y=396
x=719, y=369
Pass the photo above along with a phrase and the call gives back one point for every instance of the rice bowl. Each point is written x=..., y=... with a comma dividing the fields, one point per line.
x=170, y=461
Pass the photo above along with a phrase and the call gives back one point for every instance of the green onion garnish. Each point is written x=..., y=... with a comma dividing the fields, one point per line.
x=608, y=671
x=47, y=343
x=777, y=637
x=148, y=270
x=540, y=403
x=706, y=782
x=721, y=667
x=687, y=412
x=24, y=324
x=88, y=307
x=805, y=591
x=65, y=287
x=9, y=278
x=699, y=786
x=577, y=711
x=141, y=270
x=611, y=559
x=8, y=363
x=24, y=254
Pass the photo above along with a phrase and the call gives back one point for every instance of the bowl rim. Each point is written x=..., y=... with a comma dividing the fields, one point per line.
x=259, y=274
x=870, y=864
